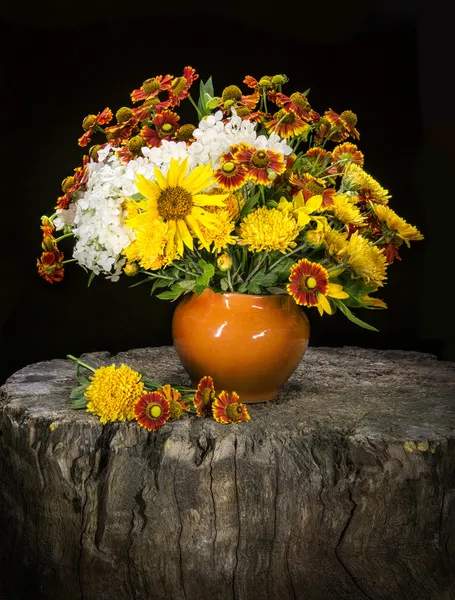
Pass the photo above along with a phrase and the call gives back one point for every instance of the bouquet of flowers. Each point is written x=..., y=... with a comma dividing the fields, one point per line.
x=249, y=199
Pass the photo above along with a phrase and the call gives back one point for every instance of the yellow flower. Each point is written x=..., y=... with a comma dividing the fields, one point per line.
x=219, y=233
x=177, y=200
x=113, y=393
x=345, y=211
x=268, y=229
x=396, y=225
x=373, y=302
x=301, y=209
x=152, y=248
x=335, y=241
x=368, y=261
x=355, y=179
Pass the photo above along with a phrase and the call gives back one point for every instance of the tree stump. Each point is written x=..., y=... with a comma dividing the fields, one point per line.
x=343, y=488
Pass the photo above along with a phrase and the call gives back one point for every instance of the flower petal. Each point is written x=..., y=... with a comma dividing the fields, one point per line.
x=324, y=304
x=147, y=188
x=184, y=233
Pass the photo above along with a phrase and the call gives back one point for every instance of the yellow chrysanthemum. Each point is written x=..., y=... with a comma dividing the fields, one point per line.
x=233, y=203
x=219, y=233
x=355, y=179
x=267, y=230
x=396, y=225
x=113, y=393
x=335, y=241
x=367, y=261
x=152, y=248
x=177, y=200
x=345, y=211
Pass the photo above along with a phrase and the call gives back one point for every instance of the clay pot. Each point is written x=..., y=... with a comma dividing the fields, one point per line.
x=248, y=344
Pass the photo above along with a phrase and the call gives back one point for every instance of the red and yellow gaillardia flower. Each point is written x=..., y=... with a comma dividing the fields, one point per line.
x=152, y=410
x=227, y=408
x=231, y=174
x=309, y=286
x=204, y=396
x=91, y=123
x=180, y=86
x=177, y=406
x=297, y=102
x=151, y=88
x=260, y=163
x=346, y=153
x=287, y=124
x=166, y=126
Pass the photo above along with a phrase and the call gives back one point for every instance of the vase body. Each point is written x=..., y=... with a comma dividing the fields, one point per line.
x=247, y=344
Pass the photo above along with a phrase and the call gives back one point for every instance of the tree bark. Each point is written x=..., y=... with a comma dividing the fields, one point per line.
x=343, y=488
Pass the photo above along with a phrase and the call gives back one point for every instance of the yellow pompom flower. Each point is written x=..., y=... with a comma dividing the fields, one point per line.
x=368, y=261
x=267, y=230
x=335, y=241
x=113, y=393
x=152, y=248
x=345, y=211
x=396, y=225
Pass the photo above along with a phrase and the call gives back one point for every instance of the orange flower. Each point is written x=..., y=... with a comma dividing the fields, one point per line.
x=79, y=179
x=179, y=89
x=227, y=409
x=205, y=394
x=259, y=163
x=50, y=266
x=177, y=406
x=91, y=123
x=345, y=124
x=47, y=226
x=297, y=102
x=287, y=124
x=151, y=88
x=152, y=410
x=347, y=153
x=231, y=175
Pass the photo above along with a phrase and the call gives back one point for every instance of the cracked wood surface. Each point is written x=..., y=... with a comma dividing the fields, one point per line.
x=343, y=488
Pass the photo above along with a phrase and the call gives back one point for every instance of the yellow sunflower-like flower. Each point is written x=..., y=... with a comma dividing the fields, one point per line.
x=113, y=392
x=345, y=211
x=177, y=200
x=355, y=179
x=368, y=261
x=396, y=225
x=268, y=229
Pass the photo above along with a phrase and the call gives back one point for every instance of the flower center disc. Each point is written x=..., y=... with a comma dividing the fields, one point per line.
x=308, y=283
x=288, y=119
x=166, y=128
x=153, y=411
x=234, y=411
x=175, y=203
x=228, y=168
x=206, y=396
x=260, y=159
x=178, y=85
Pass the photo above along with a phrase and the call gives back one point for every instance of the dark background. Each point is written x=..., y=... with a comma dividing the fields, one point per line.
x=390, y=62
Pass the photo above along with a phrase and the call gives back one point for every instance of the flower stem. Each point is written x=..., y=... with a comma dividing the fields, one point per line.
x=70, y=260
x=62, y=237
x=273, y=265
x=256, y=268
x=79, y=362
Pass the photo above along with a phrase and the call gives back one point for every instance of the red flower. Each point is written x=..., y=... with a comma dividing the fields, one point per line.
x=204, y=396
x=227, y=409
x=91, y=123
x=152, y=410
x=50, y=266
x=231, y=175
x=151, y=88
x=297, y=102
x=179, y=89
x=307, y=279
x=260, y=163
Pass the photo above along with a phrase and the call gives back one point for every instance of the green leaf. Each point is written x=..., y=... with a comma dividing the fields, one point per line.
x=153, y=385
x=172, y=294
x=79, y=403
x=275, y=291
x=159, y=283
x=264, y=279
x=250, y=203
x=345, y=310
x=306, y=92
x=146, y=280
x=203, y=280
x=208, y=87
x=224, y=284
x=78, y=392
x=91, y=278
x=137, y=196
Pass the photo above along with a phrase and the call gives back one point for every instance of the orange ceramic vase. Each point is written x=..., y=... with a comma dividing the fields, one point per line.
x=248, y=344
